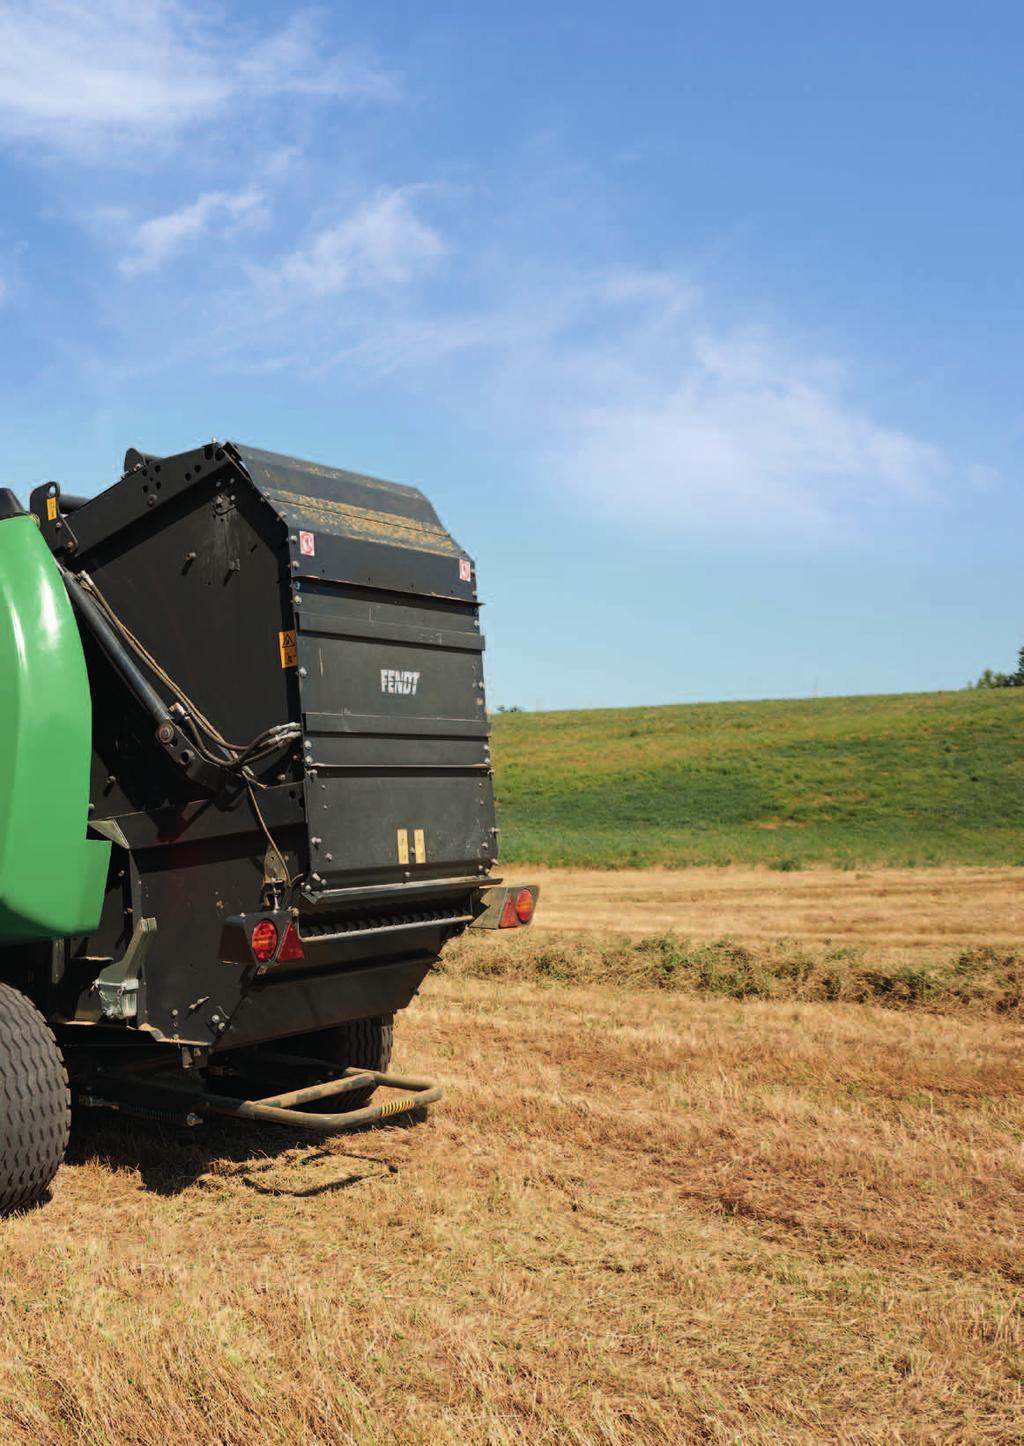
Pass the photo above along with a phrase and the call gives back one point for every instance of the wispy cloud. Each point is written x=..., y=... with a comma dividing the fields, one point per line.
x=293, y=61
x=642, y=403
x=695, y=424
x=157, y=239
x=383, y=242
x=624, y=389
x=76, y=73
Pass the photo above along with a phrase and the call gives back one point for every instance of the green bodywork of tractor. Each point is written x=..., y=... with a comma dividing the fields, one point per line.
x=52, y=876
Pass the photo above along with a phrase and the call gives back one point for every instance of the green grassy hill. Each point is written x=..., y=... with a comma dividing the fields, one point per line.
x=910, y=779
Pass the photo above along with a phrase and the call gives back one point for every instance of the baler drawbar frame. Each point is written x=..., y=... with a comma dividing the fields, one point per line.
x=280, y=1109
x=276, y=1109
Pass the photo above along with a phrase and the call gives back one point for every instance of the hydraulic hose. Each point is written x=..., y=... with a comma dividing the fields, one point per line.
x=116, y=652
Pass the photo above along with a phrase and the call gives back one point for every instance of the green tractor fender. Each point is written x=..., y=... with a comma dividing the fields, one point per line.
x=52, y=877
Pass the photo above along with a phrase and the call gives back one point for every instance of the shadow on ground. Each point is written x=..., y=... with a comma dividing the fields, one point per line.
x=270, y=1160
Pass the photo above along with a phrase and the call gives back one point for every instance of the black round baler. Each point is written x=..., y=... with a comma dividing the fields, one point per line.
x=219, y=885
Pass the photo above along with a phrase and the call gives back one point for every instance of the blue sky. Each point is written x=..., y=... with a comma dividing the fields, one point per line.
x=700, y=324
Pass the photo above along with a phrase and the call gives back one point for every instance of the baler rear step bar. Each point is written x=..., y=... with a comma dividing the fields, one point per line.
x=280, y=1109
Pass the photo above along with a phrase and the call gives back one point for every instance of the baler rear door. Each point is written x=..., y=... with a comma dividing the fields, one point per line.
x=396, y=734
x=389, y=661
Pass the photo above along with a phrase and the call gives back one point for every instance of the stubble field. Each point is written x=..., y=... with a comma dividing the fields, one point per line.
x=679, y=1189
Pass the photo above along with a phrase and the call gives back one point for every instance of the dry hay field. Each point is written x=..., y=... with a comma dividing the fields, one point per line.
x=658, y=1203
x=896, y=913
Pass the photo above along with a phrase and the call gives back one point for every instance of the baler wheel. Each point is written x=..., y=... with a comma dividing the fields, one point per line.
x=362, y=1044
x=35, y=1104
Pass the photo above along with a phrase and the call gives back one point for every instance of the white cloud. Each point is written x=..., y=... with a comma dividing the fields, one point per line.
x=75, y=73
x=292, y=61
x=641, y=403
x=728, y=426
x=382, y=243
x=625, y=388
x=161, y=236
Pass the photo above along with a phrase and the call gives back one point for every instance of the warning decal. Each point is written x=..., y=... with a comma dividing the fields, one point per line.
x=465, y=570
x=419, y=845
x=307, y=544
x=51, y=509
x=289, y=648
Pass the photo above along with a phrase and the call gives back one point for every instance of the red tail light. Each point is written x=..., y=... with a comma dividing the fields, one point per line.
x=291, y=945
x=509, y=918
x=263, y=940
x=524, y=906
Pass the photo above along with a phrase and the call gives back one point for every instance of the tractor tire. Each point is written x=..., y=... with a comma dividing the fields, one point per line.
x=35, y=1103
x=364, y=1043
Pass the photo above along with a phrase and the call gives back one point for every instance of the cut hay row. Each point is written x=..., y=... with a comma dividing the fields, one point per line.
x=982, y=978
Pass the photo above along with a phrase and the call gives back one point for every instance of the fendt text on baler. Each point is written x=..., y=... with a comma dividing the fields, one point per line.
x=245, y=795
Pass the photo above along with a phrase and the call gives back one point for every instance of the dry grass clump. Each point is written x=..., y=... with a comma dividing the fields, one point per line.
x=982, y=978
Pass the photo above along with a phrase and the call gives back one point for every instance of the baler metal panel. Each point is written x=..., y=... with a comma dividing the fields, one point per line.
x=348, y=504
x=389, y=660
x=396, y=734
x=365, y=531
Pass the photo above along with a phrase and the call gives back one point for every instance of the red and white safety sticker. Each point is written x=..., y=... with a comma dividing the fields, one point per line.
x=465, y=570
x=307, y=544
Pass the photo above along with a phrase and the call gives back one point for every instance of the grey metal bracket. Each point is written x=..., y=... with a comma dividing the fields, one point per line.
x=118, y=984
x=110, y=828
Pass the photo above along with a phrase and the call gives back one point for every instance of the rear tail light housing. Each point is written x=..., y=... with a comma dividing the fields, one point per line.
x=265, y=938
x=517, y=908
x=505, y=906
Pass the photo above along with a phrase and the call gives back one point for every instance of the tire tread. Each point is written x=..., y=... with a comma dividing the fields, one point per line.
x=35, y=1103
